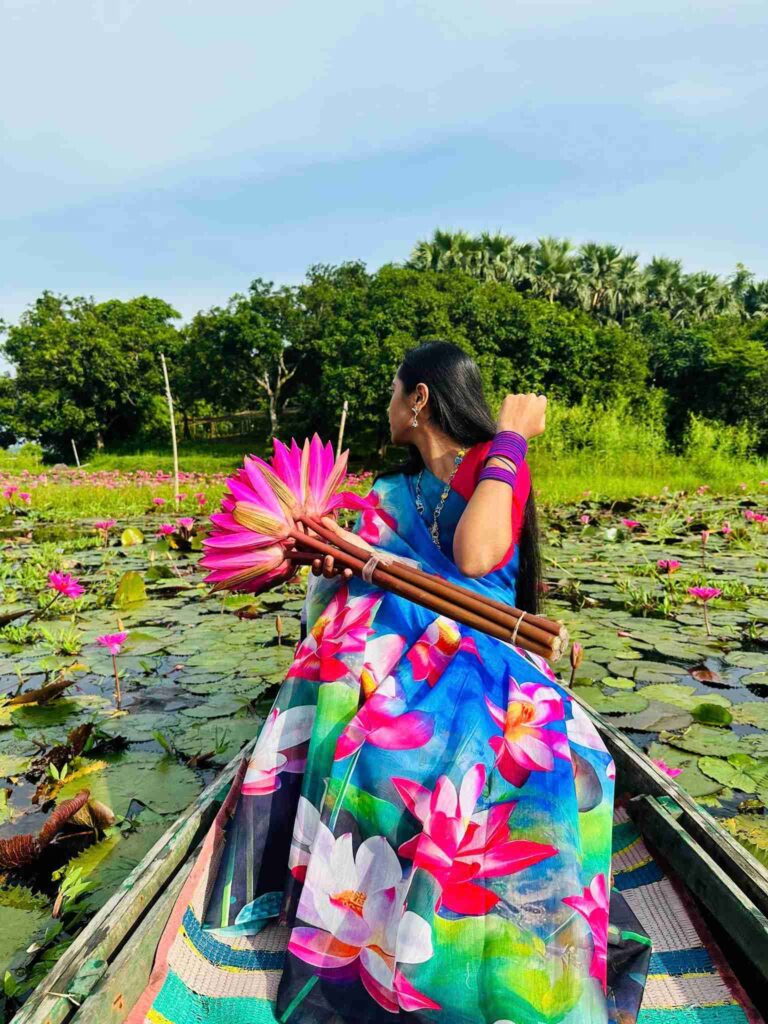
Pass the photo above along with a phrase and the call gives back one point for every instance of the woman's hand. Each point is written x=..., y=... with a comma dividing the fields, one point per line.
x=325, y=565
x=525, y=414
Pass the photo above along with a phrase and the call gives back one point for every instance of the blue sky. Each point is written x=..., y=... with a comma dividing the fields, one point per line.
x=180, y=148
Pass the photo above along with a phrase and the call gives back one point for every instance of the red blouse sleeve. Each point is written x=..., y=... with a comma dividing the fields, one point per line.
x=465, y=481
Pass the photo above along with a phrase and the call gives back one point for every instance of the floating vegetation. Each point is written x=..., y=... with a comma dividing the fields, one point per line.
x=141, y=724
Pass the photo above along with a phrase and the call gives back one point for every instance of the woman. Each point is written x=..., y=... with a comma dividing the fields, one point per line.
x=423, y=830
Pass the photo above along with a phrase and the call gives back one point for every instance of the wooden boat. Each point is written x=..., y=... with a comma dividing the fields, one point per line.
x=100, y=976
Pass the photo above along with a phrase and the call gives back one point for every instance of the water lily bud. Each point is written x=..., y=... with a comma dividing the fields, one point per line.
x=577, y=653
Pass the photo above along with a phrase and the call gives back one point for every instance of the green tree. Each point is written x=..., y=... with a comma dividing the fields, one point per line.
x=244, y=353
x=86, y=371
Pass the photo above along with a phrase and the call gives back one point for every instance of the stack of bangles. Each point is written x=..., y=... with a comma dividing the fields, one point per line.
x=509, y=447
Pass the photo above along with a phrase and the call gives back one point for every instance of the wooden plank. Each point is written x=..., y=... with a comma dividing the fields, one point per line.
x=743, y=922
x=86, y=960
x=637, y=774
x=128, y=975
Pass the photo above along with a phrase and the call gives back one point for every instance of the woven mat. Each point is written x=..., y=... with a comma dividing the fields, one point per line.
x=689, y=981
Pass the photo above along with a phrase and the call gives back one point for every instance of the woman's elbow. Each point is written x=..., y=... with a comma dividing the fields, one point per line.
x=473, y=564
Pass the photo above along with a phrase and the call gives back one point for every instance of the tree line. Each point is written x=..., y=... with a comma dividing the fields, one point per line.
x=583, y=324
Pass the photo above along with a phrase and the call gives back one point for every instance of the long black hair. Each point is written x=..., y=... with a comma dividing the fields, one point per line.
x=459, y=408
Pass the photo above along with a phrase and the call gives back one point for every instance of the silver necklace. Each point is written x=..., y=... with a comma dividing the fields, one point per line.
x=434, y=529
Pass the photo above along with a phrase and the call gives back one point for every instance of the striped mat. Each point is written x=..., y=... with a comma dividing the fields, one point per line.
x=688, y=981
x=234, y=980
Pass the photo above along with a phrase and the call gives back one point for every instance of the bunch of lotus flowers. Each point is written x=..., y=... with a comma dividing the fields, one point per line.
x=262, y=509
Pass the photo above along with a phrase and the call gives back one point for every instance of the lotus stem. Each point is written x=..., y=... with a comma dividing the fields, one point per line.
x=436, y=600
x=544, y=633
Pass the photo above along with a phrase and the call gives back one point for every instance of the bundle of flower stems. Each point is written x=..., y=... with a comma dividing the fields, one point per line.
x=535, y=633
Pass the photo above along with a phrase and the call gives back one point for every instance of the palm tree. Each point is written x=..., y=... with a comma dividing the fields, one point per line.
x=628, y=291
x=664, y=285
x=553, y=269
x=598, y=265
x=433, y=255
x=756, y=300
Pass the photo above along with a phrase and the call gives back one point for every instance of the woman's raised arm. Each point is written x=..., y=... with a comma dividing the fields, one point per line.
x=484, y=531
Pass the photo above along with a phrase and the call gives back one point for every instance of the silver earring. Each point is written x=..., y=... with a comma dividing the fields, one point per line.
x=414, y=421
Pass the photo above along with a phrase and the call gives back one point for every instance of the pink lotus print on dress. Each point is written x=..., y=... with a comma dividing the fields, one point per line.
x=526, y=744
x=440, y=642
x=592, y=904
x=458, y=847
x=342, y=629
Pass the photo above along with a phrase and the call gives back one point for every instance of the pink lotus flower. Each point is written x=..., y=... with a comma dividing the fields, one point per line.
x=165, y=530
x=65, y=584
x=353, y=905
x=440, y=642
x=585, y=518
x=592, y=904
x=281, y=747
x=201, y=499
x=259, y=509
x=342, y=629
x=26, y=497
x=726, y=528
x=375, y=522
x=704, y=593
x=112, y=641
x=527, y=745
x=158, y=501
x=104, y=524
x=630, y=524
x=186, y=522
x=385, y=722
x=668, y=565
x=664, y=767
x=704, y=536
x=458, y=847
x=10, y=490
x=384, y=719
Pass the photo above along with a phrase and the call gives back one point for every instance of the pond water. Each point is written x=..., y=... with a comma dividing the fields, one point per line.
x=197, y=675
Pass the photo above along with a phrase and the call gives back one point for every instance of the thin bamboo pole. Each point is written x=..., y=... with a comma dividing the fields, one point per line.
x=169, y=396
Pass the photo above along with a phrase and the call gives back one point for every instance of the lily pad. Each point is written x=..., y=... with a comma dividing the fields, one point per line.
x=22, y=914
x=158, y=781
x=130, y=590
x=752, y=712
x=751, y=830
x=611, y=704
x=705, y=739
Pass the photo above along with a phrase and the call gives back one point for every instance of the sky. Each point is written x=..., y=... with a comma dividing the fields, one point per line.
x=182, y=148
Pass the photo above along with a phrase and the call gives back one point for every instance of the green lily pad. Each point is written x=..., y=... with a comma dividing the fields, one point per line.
x=158, y=781
x=709, y=713
x=752, y=712
x=220, y=706
x=130, y=536
x=22, y=914
x=108, y=862
x=705, y=739
x=130, y=590
x=611, y=704
x=751, y=830
x=618, y=682
x=655, y=718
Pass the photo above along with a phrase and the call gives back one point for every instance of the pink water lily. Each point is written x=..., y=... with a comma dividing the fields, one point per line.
x=592, y=904
x=259, y=511
x=104, y=524
x=662, y=765
x=704, y=593
x=630, y=524
x=440, y=642
x=342, y=629
x=458, y=847
x=64, y=583
x=112, y=641
x=668, y=565
x=281, y=747
x=186, y=522
x=526, y=744
x=355, y=923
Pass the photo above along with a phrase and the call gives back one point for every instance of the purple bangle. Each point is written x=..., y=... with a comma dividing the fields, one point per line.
x=497, y=473
x=509, y=443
